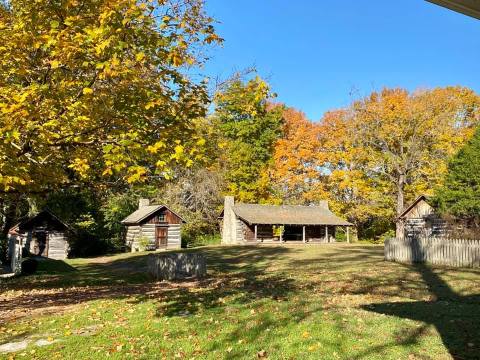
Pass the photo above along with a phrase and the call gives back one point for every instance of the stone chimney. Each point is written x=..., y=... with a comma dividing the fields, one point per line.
x=323, y=204
x=229, y=222
x=143, y=202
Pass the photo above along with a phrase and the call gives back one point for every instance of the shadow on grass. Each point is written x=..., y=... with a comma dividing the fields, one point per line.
x=456, y=317
x=50, y=266
x=231, y=270
x=242, y=277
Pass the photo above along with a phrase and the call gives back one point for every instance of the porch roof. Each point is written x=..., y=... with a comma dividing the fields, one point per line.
x=287, y=215
x=467, y=7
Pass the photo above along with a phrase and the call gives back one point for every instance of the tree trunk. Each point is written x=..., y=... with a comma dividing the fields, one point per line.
x=400, y=204
x=9, y=207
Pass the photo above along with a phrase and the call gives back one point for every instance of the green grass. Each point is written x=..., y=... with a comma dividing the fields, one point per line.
x=286, y=302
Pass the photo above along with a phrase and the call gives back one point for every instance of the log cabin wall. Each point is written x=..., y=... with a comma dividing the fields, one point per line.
x=147, y=230
x=132, y=236
x=57, y=245
x=174, y=237
x=264, y=232
x=317, y=233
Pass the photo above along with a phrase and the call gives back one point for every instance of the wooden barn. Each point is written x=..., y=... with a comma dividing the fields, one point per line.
x=153, y=227
x=419, y=219
x=253, y=223
x=43, y=235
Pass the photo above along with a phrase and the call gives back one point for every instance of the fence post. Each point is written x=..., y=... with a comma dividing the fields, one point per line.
x=16, y=257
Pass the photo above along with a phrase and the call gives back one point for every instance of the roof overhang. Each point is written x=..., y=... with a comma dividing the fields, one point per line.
x=415, y=202
x=467, y=7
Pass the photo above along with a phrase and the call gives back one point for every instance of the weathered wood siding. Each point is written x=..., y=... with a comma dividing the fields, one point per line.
x=148, y=232
x=135, y=233
x=132, y=236
x=241, y=230
x=437, y=251
x=264, y=232
x=174, y=238
x=57, y=245
x=168, y=218
x=317, y=233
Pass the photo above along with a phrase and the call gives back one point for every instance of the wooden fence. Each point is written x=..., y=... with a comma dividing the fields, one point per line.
x=437, y=251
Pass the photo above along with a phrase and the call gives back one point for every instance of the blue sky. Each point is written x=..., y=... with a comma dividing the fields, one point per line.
x=321, y=54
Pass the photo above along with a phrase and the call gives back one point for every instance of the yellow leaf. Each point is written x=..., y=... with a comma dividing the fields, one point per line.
x=87, y=91
x=54, y=64
x=140, y=56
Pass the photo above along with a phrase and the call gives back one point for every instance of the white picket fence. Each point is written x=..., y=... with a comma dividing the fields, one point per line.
x=437, y=251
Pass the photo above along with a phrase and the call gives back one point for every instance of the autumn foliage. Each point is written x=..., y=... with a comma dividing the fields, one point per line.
x=374, y=156
x=91, y=89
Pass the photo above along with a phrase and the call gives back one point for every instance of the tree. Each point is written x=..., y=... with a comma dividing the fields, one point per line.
x=93, y=88
x=405, y=138
x=295, y=172
x=250, y=126
x=460, y=193
x=196, y=194
x=96, y=92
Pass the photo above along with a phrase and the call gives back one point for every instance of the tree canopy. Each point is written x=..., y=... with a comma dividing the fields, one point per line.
x=94, y=90
x=250, y=126
x=460, y=193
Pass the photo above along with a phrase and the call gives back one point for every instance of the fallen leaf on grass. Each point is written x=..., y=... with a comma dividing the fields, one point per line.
x=261, y=354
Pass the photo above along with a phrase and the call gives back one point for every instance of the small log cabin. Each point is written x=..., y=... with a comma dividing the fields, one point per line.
x=43, y=235
x=153, y=226
x=419, y=219
x=253, y=223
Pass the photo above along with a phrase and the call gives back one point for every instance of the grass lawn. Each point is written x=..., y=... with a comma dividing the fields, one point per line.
x=279, y=302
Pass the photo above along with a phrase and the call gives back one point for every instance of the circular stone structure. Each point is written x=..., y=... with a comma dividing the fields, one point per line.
x=173, y=266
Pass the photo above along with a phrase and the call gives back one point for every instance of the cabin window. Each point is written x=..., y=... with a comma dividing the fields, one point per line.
x=161, y=217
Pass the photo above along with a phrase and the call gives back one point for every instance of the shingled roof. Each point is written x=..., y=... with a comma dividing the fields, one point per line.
x=287, y=215
x=138, y=215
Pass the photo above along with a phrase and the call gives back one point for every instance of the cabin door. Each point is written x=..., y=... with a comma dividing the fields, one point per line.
x=161, y=233
x=40, y=245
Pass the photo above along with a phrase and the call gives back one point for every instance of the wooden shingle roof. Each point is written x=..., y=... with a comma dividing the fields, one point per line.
x=44, y=218
x=287, y=215
x=144, y=212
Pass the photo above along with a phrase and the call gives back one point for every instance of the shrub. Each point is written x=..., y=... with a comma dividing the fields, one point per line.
x=386, y=235
x=143, y=243
x=203, y=240
x=29, y=266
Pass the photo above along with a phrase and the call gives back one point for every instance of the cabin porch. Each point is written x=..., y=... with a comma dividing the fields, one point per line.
x=266, y=233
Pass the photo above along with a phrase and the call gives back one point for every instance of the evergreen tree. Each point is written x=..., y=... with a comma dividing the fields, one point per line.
x=460, y=194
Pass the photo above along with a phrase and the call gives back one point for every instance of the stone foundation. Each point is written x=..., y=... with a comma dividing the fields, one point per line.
x=172, y=266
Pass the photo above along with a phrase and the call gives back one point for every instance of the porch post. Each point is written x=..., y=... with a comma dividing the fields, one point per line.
x=304, y=240
x=281, y=234
x=326, y=233
x=255, y=232
x=348, y=234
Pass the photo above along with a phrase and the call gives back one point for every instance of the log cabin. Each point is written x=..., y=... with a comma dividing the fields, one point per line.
x=43, y=235
x=419, y=219
x=253, y=223
x=153, y=227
